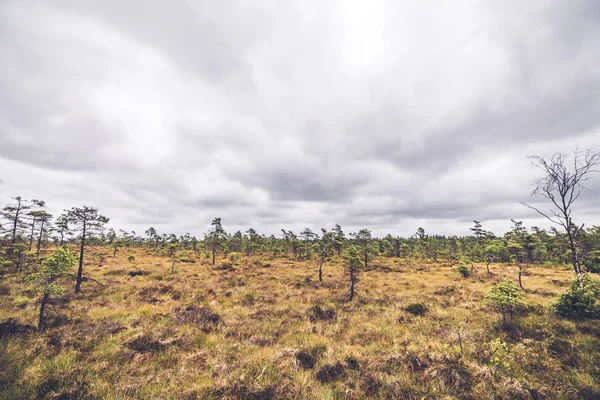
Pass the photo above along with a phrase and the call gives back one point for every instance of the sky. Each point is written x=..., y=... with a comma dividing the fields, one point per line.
x=387, y=115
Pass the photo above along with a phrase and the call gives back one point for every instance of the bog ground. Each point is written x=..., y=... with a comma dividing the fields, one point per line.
x=267, y=328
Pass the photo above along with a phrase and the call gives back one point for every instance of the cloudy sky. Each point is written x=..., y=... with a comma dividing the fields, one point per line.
x=277, y=114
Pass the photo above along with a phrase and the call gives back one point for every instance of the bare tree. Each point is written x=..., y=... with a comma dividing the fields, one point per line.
x=562, y=184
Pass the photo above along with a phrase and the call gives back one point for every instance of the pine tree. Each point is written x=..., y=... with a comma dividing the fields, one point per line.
x=87, y=222
x=53, y=268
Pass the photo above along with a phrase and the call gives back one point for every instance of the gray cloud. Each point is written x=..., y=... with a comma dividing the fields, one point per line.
x=273, y=114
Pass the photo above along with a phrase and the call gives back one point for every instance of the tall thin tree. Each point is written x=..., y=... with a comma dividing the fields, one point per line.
x=86, y=221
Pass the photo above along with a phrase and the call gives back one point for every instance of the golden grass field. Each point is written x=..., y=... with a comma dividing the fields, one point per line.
x=267, y=329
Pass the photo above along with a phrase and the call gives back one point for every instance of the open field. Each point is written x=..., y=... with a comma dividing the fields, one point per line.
x=267, y=328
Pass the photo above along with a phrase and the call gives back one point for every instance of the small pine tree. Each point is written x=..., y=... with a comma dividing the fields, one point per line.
x=53, y=268
x=464, y=271
x=505, y=297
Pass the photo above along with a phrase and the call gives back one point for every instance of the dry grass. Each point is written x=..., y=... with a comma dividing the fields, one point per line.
x=268, y=329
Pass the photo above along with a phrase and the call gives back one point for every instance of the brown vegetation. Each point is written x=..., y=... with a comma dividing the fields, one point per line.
x=412, y=331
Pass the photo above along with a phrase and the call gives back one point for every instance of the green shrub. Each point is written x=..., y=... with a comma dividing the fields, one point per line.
x=505, y=297
x=131, y=258
x=464, y=271
x=579, y=301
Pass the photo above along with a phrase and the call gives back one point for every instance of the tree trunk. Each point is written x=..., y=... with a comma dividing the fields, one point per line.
x=574, y=255
x=80, y=269
x=321, y=269
x=351, y=283
x=520, y=273
x=42, y=308
x=39, y=243
x=14, y=230
x=31, y=234
x=213, y=255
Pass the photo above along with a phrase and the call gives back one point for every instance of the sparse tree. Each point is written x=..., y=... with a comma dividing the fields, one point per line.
x=339, y=238
x=492, y=252
x=478, y=232
x=62, y=226
x=562, y=184
x=307, y=237
x=152, y=236
x=53, y=268
x=326, y=245
x=252, y=241
x=116, y=244
x=367, y=248
x=33, y=216
x=43, y=218
x=15, y=214
x=216, y=237
x=354, y=263
x=87, y=222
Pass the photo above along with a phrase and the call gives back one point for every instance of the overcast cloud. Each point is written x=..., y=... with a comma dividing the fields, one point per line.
x=277, y=114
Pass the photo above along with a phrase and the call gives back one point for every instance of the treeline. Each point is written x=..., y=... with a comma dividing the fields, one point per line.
x=27, y=227
x=26, y=222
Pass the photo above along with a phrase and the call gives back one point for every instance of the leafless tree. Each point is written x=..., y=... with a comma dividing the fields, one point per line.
x=562, y=183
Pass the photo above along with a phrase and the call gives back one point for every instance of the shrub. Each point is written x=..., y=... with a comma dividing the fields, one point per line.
x=579, y=301
x=416, y=309
x=464, y=271
x=505, y=297
x=131, y=258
